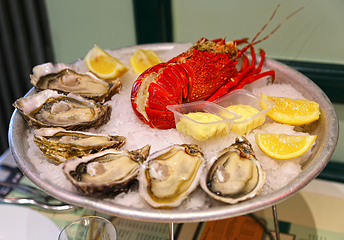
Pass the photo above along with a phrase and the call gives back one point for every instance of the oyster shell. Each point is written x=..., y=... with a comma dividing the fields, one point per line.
x=59, y=144
x=49, y=108
x=234, y=174
x=169, y=175
x=106, y=172
x=64, y=78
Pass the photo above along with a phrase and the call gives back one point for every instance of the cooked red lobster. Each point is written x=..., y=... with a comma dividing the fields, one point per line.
x=207, y=71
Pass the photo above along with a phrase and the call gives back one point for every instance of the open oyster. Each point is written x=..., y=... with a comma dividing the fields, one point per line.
x=106, y=172
x=49, y=108
x=169, y=175
x=63, y=78
x=59, y=144
x=234, y=174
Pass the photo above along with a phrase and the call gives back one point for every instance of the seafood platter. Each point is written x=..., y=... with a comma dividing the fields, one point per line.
x=140, y=158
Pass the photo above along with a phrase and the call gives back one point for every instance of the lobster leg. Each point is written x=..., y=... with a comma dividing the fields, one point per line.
x=245, y=64
x=262, y=58
x=253, y=55
x=251, y=79
x=240, y=41
x=248, y=74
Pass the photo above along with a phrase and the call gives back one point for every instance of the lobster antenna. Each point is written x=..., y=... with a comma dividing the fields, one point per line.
x=266, y=24
x=253, y=42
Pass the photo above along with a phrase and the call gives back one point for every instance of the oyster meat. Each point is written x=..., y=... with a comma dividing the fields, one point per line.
x=169, y=175
x=234, y=174
x=49, y=108
x=59, y=144
x=106, y=172
x=63, y=78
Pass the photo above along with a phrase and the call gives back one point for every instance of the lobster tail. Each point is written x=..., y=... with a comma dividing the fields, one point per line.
x=157, y=87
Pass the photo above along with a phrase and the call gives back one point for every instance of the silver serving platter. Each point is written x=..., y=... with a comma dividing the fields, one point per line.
x=326, y=128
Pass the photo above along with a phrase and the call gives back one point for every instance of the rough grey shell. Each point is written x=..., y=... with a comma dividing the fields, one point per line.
x=106, y=172
x=64, y=78
x=59, y=144
x=169, y=175
x=49, y=108
x=234, y=174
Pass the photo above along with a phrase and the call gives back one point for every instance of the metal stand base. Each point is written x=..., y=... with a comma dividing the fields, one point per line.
x=274, y=213
x=171, y=231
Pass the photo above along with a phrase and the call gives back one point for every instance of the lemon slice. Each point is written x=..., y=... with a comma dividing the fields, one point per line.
x=103, y=64
x=143, y=59
x=284, y=146
x=292, y=111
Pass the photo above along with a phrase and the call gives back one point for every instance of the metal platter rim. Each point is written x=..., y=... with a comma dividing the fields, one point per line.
x=17, y=147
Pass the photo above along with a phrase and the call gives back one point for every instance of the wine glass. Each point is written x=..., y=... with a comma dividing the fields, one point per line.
x=90, y=227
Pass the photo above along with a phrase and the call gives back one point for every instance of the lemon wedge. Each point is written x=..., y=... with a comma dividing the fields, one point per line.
x=103, y=64
x=284, y=146
x=292, y=111
x=143, y=59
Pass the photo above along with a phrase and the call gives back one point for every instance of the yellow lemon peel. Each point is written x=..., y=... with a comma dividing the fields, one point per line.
x=144, y=59
x=284, y=146
x=103, y=64
x=292, y=111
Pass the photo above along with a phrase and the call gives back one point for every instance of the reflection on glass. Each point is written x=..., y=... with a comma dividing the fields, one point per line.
x=87, y=228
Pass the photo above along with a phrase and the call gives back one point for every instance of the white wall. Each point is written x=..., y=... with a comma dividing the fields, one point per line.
x=314, y=34
x=76, y=25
